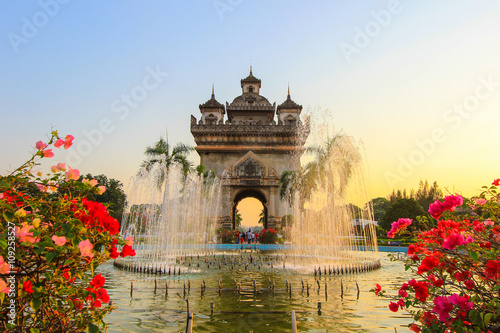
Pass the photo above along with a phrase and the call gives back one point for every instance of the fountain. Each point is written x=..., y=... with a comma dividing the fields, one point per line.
x=173, y=221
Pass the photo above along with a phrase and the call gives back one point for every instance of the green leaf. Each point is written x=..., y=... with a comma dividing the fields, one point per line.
x=50, y=255
x=35, y=303
x=8, y=207
x=487, y=318
x=35, y=330
x=496, y=287
x=8, y=216
x=474, y=255
x=91, y=328
x=67, y=227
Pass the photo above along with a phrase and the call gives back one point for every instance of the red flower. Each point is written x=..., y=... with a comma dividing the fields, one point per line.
x=102, y=294
x=378, y=289
x=415, y=328
x=98, y=281
x=428, y=264
x=114, y=252
x=27, y=287
x=496, y=182
x=420, y=288
x=127, y=251
x=492, y=270
x=394, y=307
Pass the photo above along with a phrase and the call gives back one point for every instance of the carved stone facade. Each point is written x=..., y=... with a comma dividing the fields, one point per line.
x=250, y=150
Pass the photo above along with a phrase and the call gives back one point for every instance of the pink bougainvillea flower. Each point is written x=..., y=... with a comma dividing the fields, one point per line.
x=61, y=166
x=442, y=308
x=47, y=153
x=496, y=182
x=101, y=189
x=437, y=208
x=59, y=241
x=54, y=168
x=67, y=142
x=4, y=267
x=378, y=289
x=86, y=248
x=461, y=301
x=25, y=234
x=398, y=225
x=453, y=241
x=3, y=287
x=489, y=222
x=27, y=287
x=72, y=174
x=129, y=240
x=40, y=145
x=91, y=182
x=480, y=201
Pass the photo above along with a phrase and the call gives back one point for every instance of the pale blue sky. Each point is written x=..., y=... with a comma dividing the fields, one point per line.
x=72, y=69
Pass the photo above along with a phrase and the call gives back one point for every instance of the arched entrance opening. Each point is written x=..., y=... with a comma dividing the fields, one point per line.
x=259, y=208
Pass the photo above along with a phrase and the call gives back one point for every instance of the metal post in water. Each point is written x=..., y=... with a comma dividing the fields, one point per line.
x=189, y=325
x=155, y=286
x=294, y=322
x=319, y=307
x=341, y=289
x=358, y=289
x=131, y=288
x=211, y=308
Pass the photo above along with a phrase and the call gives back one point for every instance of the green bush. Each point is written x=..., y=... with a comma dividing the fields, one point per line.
x=268, y=236
x=226, y=236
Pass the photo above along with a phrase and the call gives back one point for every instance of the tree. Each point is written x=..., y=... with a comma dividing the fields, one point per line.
x=238, y=219
x=425, y=195
x=161, y=154
x=403, y=208
x=380, y=206
x=113, y=197
x=332, y=169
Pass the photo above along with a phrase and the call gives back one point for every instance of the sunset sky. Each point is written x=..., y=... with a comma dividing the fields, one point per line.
x=416, y=82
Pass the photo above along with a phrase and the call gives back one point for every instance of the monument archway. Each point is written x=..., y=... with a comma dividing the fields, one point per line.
x=249, y=194
x=248, y=143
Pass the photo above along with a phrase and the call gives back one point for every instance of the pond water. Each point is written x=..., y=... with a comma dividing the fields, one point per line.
x=258, y=308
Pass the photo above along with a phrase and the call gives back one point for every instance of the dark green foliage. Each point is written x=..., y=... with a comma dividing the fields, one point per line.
x=403, y=208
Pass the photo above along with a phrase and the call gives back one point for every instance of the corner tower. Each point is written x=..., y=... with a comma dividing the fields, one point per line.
x=250, y=149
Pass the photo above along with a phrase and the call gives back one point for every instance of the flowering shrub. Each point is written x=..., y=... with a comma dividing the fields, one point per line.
x=226, y=236
x=457, y=267
x=268, y=236
x=51, y=240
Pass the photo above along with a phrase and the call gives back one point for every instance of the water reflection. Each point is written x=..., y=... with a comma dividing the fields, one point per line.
x=259, y=308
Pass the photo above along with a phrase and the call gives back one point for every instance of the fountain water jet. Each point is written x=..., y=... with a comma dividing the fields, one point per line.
x=172, y=218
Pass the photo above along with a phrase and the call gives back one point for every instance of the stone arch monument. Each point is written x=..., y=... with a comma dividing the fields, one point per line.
x=249, y=143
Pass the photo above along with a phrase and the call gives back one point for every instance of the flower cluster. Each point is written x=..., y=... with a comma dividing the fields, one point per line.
x=268, y=236
x=437, y=208
x=59, y=237
x=226, y=236
x=457, y=265
x=397, y=226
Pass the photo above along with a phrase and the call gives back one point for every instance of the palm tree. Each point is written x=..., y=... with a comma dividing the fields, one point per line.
x=337, y=156
x=160, y=154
